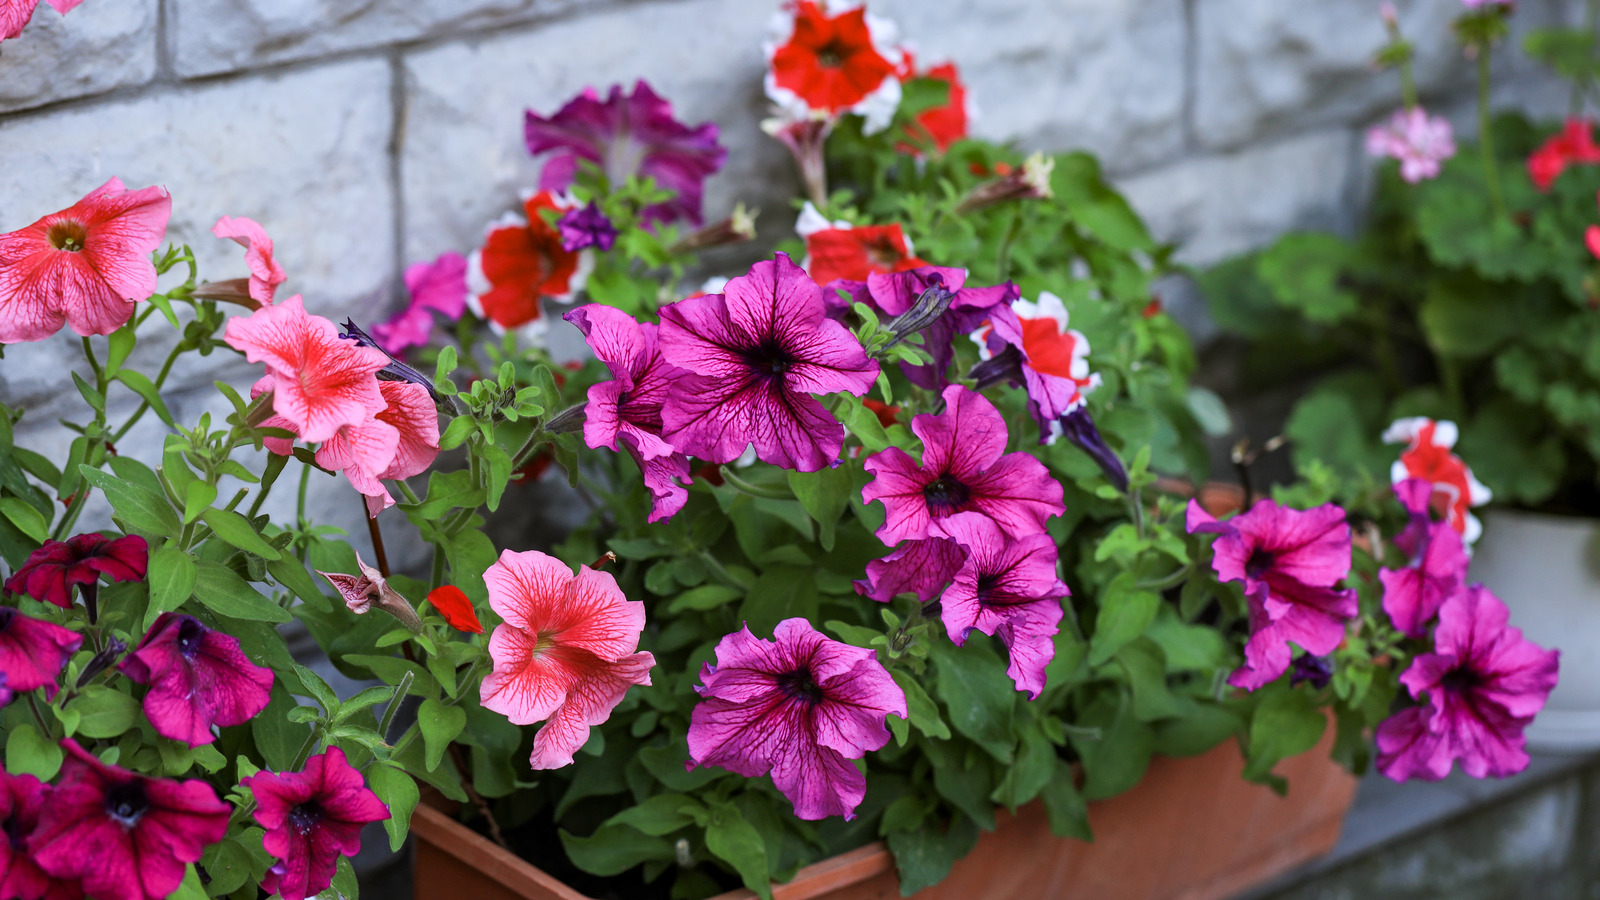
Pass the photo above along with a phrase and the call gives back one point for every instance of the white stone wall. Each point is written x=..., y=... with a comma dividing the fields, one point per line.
x=366, y=134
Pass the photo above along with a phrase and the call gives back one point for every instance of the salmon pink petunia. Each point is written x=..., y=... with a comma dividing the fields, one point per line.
x=1030, y=345
x=965, y=308
x=566, y=653
x=312, y=817
x=198, y=678
x=321, y=382
x=827, y=65
x=400, y=441
x=1419, y=141
x=125, y=836
x=1427, y=456
x=1480, y=688
x=756, y=353
x=523, y=261
x=1288, y=560
x=33, y=651
x=84, y=267
x=1572, y=145
x=265, y=273
x=22, y=799
x=1436, y=566
x=624, y=414
x=51, y=571
x=800, y=706
x=842, y=251
x=965, y=467
x=452, y=603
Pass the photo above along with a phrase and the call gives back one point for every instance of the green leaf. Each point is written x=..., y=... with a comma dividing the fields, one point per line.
x=923, y=857
x=660, y=815
x=825, y=495
x=1125, y=612
x=1146, y=669
x=1306, y=272
x=1065, y=807
x=226, y=594
x=28, y=520
x=440, y=724
x=1200, y=727
x=1024, y=779
x=1113, y=745
x=291, y=573
x=979, y=695
x=1466, y=317
x=190, y=888
x=924, y=712
x=104, y=712
x=399, y=792
x=237, y=530
x=30, y=753
x=138, y=507
x=228, y=864
x=276, y=737
x=457, y=432
x=119, y=344
x=197, y=497
x=140, y=384
x=614, y=849
x=1286, y=723
x=498, y=464
x=318, y=689
x=345, y=881
x=172, y=577
x=706, y=596
x=736, y=842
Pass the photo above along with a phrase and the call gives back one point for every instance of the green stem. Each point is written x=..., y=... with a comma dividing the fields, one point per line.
x=1591, y=19
x=33, y=704
x=1491, y=172
x=161, y=378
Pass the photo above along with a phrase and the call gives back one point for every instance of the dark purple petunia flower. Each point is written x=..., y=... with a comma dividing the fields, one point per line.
x=52, y=570
x=756, y=353
x=198, y=678
x=22, y=797
x=1079, y=428
x=1481, y=687
x=1316, y=671
x=896, y=294
x=800, y=706
x=1289, y=560
x=625, y=412
x=627, y=136
x=125, y=836
x=1006, y=587
x=964, y=467
x=584, y=227
x=105, y=659
x=312, y=817
x=33, y=651
x=1436, y=569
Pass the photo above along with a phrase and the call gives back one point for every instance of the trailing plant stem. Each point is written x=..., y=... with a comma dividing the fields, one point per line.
x=1491, y=173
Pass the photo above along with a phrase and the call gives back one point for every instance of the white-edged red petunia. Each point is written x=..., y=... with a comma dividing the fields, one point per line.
x=1030, y=345
x=522, y=262
x=838, y=250
x=824, y=63
x=1428, y=456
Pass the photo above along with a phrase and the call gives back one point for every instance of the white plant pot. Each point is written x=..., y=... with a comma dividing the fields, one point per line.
x=1547, y=570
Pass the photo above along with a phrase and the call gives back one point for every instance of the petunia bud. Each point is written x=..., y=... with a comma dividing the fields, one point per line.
x=735, y=229
x=1314, y=670
x=1080, y=429
x=930, y=305
x=370, y=589
x=234, y=290
x=102, y=661
x=805, y=140
x=1029, y=182
x=395, y=370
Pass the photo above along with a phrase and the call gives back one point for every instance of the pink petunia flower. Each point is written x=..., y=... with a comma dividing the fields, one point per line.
x=33, y=651
x=51, y=571
x=14, y=14
x=1482, y=685
x=964, y=308
x=1427, y=456
x=922, y=567
x=799, y=706
x=626, y=136
x=265, y=273
x=22, y=798
x=1030, y=345
x=322, y=382
x=1419, y=141
x=85, y=266
x=1006, y=587
x=400, y=441
x=1289, y=560
x=565, y=654
x=625, y=412
x=197, y=677
x=312, y=817
x=125, y=836
x=435, y=287
x=756, y=353
x=964, y=467
x=1436, y=569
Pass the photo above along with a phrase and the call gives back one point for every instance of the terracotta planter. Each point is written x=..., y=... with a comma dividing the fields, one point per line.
x=1190, y=830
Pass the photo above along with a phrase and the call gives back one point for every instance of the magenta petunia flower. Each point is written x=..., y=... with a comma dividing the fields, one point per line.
x=22, y=798
x=322, y=382
x=755, y=353
x=50, y=572
x=585, y=227
x=627, y=136
x=1289, y=560
x=435, y=287
x=897, y=293
x=921, y=567
x=1437, y=566
x=1030, y=345
x=125, y=836
x=1419, y=141
x=800, y=706
x=33, y=651
x=1483, y=684
x=964, y=467
x=265, y=273
x=312, y=817
x=565, y=654
x=198, y=678
x=625, y=412
x=14, y=14
x=1006, y=587
x=85, y=266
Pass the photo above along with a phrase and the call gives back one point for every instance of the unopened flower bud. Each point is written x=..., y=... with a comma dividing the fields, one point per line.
x=1080, y=429
x=568, y=420
x=1029, y=182
x=395, y=370
x=102, y=661
x=234, y=290
x=924, y=312
x=735, y=229
x=371, y=590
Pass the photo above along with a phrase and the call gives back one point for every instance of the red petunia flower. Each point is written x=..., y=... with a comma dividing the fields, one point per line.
x=836, y=250
x=312, y=817
x=22, y=798
x=522, y=261
x=947, y=123
x=52, y=570
x=1573, y=144
x=828, y=65
x=453, y=604
x=1428, y=456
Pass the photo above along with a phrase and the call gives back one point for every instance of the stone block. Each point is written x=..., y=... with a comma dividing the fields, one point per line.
x=95, y=48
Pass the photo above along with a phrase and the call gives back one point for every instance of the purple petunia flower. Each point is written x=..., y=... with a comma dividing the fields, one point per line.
x=1316, y=671
x=625, y=412
x=922, y=567
x=964, y=467
x=800, y=706
x=1006, y=587
x=1437, y=567
x=584, y=227
x=198, y=678
x=896, y=293
x=756, y=352
x=436, y=287
x=1289, y=561
x=125, y=836
x=22, y=798
x=52, y=570
x=1483, y=684
x=627, y=136
x=33, y=651
x=312, y=817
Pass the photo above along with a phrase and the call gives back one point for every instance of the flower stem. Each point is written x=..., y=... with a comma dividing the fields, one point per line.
x=161, y=378
x=1491, y=173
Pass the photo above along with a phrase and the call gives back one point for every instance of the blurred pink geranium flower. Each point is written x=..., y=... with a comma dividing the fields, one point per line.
x=1419, y=141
